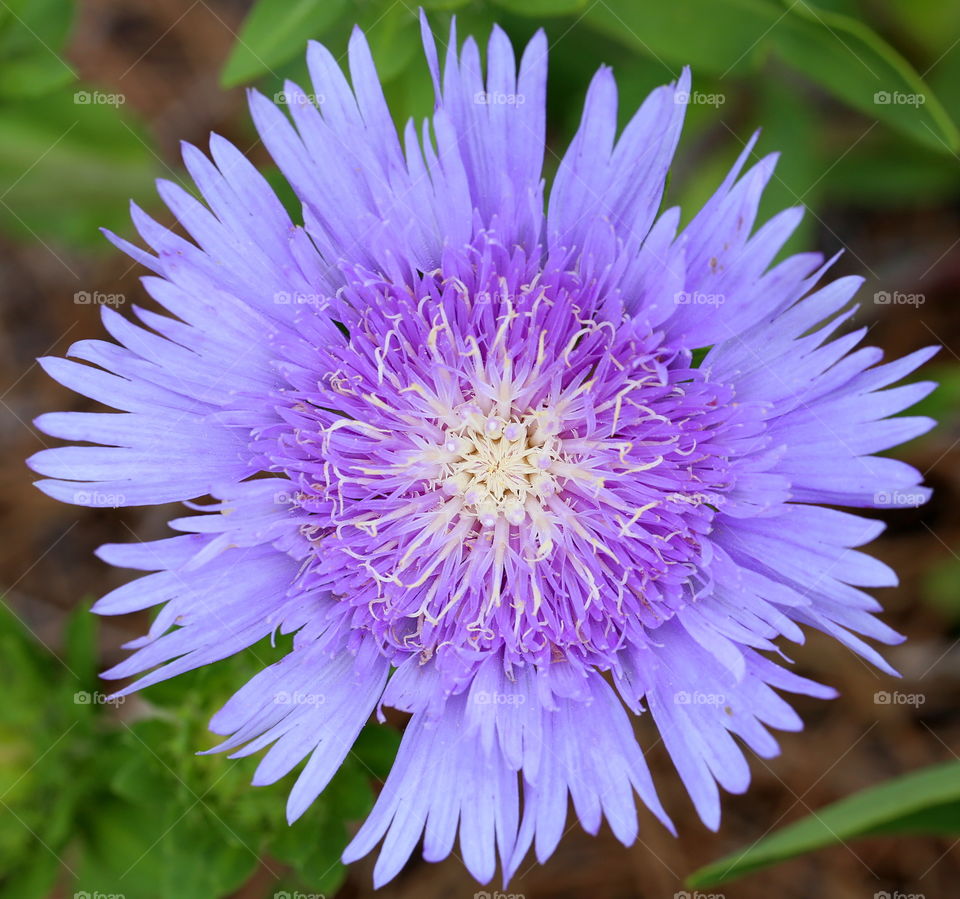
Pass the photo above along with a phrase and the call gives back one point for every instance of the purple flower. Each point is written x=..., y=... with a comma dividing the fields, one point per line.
x=459, y=446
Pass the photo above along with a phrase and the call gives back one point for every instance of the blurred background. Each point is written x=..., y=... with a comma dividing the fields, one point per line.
x=103, y=798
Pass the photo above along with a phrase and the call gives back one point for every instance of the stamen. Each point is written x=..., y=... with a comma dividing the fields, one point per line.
x=496, y=465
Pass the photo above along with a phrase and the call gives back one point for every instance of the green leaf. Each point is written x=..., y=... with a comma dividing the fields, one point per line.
x=943, y=404
x=80, y=640
x=322, y=870
x=376, y=748
x=31, y=35
x=712, y=36
x=840, y=53
x=69, y=166
x=199, y=862
x=27, y=23
x=141, y=778
x=931, y=24
x=925, y=801
x=117, y=855
x=34, y=876
x=167, y=847
x=285, y=193
x=849, y=59
x=933, y=821
x=442, y=5
x=540, y=8
x=940, y=587
x=32, y=75
x=274, y=32
x=890, y=174
x=393, y=32
x=788, y=125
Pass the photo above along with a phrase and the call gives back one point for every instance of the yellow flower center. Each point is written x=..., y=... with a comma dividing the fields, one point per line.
x=500, y=467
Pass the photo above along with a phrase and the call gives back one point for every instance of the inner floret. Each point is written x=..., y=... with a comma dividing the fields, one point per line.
x=499, y=467
x=522, y=474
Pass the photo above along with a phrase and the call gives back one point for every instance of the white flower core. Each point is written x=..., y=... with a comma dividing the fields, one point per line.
x=501, y=467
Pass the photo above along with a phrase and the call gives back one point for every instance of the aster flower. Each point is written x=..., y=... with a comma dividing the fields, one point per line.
x=458, y=445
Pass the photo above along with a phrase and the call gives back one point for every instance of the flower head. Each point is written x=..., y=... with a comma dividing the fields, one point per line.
x=487, y=464
x=459, y=445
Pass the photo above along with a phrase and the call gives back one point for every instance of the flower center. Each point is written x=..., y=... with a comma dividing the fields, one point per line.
x=498, y=467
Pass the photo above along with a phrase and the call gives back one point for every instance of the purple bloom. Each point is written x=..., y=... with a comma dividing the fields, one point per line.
x=460, y=449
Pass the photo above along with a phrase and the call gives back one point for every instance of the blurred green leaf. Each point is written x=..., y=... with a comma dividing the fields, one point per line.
x=944, y=73
x=123, y=795
x=274, y=32
x=80, y=641
x=155, y=764
x=283, y=190
x=200, y=863
x=376, y=748
x=321, y=870
x=848, y=58
x=931, y=23
x=160, y=849
x=68, y=164
x=941, y=587
x=944, y=403
x=925, y=801
x=409, y=95
x=890, y=173
x=789, y=127
x=27, y=23
x=32, y=33
x=116, y=855
x=393, y=32
x=712, y=36
x=537, y=8
x=38, y=719
x=836, y=51
x=32, y=75
x=33, y=877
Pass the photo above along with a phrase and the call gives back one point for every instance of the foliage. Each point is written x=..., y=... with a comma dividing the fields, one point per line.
x=921, y=802
x=112, y=797
x=70, y=156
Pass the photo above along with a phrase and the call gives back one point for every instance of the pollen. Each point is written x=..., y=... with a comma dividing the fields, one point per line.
x=497, y=467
